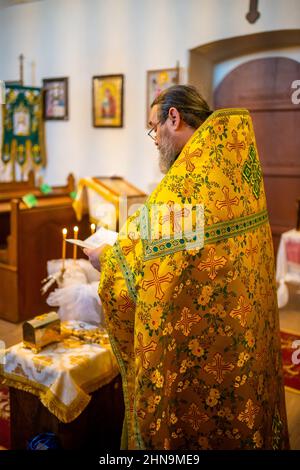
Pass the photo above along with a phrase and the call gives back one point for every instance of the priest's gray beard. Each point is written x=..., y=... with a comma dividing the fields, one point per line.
x=168, y=152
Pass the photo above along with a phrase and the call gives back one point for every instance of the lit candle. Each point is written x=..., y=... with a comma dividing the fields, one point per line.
x=75, y=229
x=93, y=228
x=64, y=246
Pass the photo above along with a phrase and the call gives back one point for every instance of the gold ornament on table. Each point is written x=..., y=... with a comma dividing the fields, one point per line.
x=97, y=335
x=41, y=331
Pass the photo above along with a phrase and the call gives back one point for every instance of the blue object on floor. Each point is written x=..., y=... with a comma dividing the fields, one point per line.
x=44, y=441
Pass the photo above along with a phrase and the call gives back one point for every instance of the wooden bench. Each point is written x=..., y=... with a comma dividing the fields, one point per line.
x=18, y=189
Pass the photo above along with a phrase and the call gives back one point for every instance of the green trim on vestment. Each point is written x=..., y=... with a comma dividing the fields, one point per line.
x=233, y=228
x=212, y=234
x=115, y=348
x=126, y=271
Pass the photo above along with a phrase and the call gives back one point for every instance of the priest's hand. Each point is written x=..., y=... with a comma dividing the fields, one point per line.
x=94, y=255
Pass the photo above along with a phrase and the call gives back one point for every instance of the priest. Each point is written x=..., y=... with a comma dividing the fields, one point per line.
x=189, y=292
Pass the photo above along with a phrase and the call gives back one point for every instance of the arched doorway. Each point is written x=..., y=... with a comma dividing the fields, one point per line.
x=263, y=86
x=204, y=58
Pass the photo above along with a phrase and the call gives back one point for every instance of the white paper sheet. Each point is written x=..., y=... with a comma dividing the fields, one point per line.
x=101, y=237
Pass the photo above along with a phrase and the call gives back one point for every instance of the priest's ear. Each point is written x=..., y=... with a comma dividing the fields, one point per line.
x=175, y=118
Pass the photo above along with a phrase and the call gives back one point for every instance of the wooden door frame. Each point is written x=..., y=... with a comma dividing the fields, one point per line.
x=203, y=59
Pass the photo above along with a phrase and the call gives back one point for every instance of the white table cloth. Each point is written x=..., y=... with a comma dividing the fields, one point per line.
x=63, y=374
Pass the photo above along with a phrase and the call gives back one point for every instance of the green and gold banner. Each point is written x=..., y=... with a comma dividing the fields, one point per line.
x=23, y=130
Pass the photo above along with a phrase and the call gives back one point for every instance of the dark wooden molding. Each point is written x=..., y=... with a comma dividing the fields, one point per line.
x=203, y=58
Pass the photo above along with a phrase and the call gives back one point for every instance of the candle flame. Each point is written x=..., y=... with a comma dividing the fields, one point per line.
x=75, y=228
x=65, y=231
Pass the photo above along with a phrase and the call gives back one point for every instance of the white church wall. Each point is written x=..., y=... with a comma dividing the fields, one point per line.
x=82, y=38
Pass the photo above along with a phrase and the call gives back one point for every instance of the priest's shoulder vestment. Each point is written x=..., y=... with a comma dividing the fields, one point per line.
x=190, y=302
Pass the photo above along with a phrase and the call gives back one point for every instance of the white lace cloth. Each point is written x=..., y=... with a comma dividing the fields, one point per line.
x=288, y=264
x=77, y=294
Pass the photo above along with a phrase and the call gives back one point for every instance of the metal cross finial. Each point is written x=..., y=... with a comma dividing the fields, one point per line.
x=253, y=13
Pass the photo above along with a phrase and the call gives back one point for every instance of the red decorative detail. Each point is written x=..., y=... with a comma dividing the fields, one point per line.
x=129, y=304
x=157, y=281
x=187, y=159
x=174, y=217
x=236, y=145
x=293, y=251
x=128, y=248
x=227, y=202
x=143, y=349
x=218, y=367
x=213, y=264
x=251, y=251
x=195, y=417
x=186, y=320
x=241, y=311
x=248, y=416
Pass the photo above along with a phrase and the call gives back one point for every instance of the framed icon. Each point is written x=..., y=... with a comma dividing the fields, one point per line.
x=157, y=81
x=107, y=98
x=55, y=98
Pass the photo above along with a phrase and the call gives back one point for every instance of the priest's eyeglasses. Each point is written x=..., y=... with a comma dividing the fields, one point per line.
x=152, y=131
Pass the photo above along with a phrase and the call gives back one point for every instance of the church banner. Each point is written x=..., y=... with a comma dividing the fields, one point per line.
x=23, y=146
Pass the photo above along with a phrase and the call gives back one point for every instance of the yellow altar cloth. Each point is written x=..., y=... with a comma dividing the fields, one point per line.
x=63, y=374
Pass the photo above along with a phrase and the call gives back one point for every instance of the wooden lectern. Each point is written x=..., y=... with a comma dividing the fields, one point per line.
x=109, y=200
